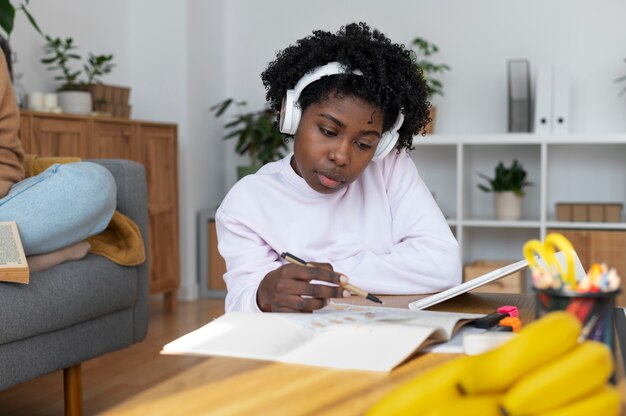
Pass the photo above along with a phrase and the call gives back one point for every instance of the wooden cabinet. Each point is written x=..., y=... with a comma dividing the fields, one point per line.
x=600, y=246
x=217, y=265
x=159, y=156
x=59, y=137
x=116, y=140
x=152, y=144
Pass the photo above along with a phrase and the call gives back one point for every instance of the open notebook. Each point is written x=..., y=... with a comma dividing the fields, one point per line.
x=338, y=336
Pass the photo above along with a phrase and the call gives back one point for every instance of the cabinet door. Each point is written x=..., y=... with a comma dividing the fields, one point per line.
x=59, y=137
x=159, y=156
x=115, y=141
x=24, y=133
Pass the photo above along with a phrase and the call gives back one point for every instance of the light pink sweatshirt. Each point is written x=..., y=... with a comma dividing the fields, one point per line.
x=384, y=230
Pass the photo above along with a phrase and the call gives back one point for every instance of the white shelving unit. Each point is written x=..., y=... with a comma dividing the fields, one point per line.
x=570, y=168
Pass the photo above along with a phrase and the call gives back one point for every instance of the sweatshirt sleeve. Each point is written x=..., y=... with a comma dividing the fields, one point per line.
x=425, y=255
x=11, y=153
x=248, y=259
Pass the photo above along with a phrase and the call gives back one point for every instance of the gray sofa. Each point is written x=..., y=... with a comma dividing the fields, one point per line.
x=77, y=310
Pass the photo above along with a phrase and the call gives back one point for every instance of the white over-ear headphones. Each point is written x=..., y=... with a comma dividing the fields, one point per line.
x=291, y=112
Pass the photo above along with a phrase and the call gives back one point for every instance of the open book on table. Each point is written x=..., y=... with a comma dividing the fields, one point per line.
x=338, y=336
x=13, y=265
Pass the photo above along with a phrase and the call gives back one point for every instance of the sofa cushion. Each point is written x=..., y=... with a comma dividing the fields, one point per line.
x=65, y=295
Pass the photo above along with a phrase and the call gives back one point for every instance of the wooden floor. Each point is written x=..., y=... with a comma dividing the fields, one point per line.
x=116, y=376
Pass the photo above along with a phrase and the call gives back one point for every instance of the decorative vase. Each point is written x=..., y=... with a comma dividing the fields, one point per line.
x=75, y=102
x=508, y=205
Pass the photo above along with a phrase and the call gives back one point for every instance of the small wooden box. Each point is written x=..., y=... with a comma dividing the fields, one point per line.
x=563, y=212
x=596, y=213
x=579, y=212
x=513, y=283
x=592, y=212
x=613, y=212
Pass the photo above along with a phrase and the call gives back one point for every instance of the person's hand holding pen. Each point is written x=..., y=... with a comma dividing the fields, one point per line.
x=288, y=288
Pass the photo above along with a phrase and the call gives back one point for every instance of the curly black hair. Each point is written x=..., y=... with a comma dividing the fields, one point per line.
x=391, y=80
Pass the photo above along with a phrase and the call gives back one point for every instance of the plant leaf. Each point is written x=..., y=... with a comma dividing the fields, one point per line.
x=7, y=16
x=30, y=18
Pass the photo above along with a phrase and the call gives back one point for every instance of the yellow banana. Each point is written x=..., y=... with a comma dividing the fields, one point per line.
x=425, y=391
x=605, y=402
x=477, y=405
x=576, y=374
x=536, y=344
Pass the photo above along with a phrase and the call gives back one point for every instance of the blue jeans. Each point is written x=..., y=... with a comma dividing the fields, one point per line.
x=61, y=206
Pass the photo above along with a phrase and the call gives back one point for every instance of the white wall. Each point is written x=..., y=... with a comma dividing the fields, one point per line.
x=475, y=38
x=204, y=164
x=181, y=57
x=98, y=27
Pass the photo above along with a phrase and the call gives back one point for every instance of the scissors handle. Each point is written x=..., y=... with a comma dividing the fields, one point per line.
x=546, y=251
x=554, y=241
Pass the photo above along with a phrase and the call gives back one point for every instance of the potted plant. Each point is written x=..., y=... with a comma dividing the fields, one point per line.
x=422, y=51
x=74, y=94
x=508, y=186
x=256, y=132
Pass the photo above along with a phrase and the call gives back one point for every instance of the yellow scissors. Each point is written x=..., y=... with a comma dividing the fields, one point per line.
x=546, y=251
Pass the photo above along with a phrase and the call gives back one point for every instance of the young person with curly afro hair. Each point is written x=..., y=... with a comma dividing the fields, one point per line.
x=349, y=198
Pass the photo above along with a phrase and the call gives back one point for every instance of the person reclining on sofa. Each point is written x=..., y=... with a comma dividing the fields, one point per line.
x=56, y=210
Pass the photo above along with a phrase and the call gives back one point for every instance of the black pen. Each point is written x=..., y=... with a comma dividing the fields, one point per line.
x=350, y=288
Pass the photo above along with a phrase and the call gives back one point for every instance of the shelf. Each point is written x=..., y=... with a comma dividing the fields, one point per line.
x=518, y=138
x=581, y=167
x=587, y=225
x=501, y=224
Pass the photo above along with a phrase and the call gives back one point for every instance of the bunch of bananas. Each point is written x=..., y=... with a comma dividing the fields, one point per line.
x=543, y=370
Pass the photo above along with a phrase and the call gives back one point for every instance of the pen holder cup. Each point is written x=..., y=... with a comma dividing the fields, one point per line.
x=593, y=310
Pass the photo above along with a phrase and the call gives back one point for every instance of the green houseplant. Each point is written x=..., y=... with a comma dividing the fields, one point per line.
x=422, y=52
x=61, y=52
x=256, y=133
x=74, y=94
x=422, y=55
x=508, y=186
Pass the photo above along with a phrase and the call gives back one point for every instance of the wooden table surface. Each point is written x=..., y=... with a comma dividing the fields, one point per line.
x=229, y=386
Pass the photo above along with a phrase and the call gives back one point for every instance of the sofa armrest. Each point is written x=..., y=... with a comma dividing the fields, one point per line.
x=132, y=201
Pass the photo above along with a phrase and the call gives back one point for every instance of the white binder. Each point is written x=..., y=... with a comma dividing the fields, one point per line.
x=542, y=122
x=560, y=101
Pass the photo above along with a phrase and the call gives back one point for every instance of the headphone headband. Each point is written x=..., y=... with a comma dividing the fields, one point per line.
x=291, y=112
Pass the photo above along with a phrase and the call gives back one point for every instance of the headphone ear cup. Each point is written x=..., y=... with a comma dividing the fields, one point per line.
x=389, y=138
x=287, y=113
x=386, y=143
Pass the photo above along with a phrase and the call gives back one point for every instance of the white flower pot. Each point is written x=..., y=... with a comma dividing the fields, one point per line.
x=75, y=102
x=508, y=205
